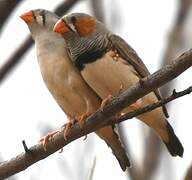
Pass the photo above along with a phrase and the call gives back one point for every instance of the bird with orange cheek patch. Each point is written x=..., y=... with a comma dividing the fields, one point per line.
x=107, y=62
x=64, y=81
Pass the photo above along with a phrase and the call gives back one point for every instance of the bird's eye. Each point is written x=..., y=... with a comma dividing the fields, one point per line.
x=73, y=19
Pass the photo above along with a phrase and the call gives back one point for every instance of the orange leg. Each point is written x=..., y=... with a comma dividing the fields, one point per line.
x=46, y=139
x=82, y=118
x=68, y=126
x=109, y=97
x=106, y=101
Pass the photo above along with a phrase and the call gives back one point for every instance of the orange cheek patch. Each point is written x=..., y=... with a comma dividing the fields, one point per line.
x=85, y=26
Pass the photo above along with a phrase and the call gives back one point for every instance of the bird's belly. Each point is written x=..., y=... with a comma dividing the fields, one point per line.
x=68, y=88
x=107, y=76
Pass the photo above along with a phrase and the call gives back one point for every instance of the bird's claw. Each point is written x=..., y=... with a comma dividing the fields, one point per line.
x=67, y=128
x=45, y=139
x=106, y=101
x=82, y=118
x=85, y=138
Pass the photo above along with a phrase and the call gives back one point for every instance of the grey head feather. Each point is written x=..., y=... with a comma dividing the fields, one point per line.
x=44, y=20
x=42, y=32
x=79, y=45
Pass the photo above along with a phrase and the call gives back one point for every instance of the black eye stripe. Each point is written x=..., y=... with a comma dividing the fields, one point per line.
x=66, y=24
x=34, y=15
x=43, y=17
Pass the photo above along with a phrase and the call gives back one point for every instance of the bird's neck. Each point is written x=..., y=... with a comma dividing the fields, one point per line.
x=48, y=46
x=87, y=50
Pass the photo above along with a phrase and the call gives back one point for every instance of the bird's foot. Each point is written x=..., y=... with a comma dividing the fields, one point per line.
x=82, y=118
x=106, y=101
x=68, y=126
x=45, y=139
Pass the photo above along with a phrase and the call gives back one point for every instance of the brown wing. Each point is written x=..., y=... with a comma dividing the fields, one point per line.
x=128, y=54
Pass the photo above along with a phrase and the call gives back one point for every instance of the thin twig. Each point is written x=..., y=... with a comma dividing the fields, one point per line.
x=27, y=151
x=153, y=106
x=16, y=57
x=100, y=118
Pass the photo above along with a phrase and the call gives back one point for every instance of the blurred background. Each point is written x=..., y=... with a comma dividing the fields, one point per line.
x=158, y=30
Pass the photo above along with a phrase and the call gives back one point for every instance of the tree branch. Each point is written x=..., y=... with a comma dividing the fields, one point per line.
x=153, y=106
x=176, y=39
x=6, y=8
x=16, y=57
x=101, y=117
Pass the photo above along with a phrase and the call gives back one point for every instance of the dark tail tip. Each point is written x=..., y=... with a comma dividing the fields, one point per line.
x=174, y=145
x=122, y=159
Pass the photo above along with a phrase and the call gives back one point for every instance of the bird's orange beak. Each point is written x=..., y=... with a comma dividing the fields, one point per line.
x=27, y=17
x=60, y=27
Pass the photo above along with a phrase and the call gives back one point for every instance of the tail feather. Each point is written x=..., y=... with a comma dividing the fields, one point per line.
x=122, y=158
x=173, y=145
x=112, y=139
